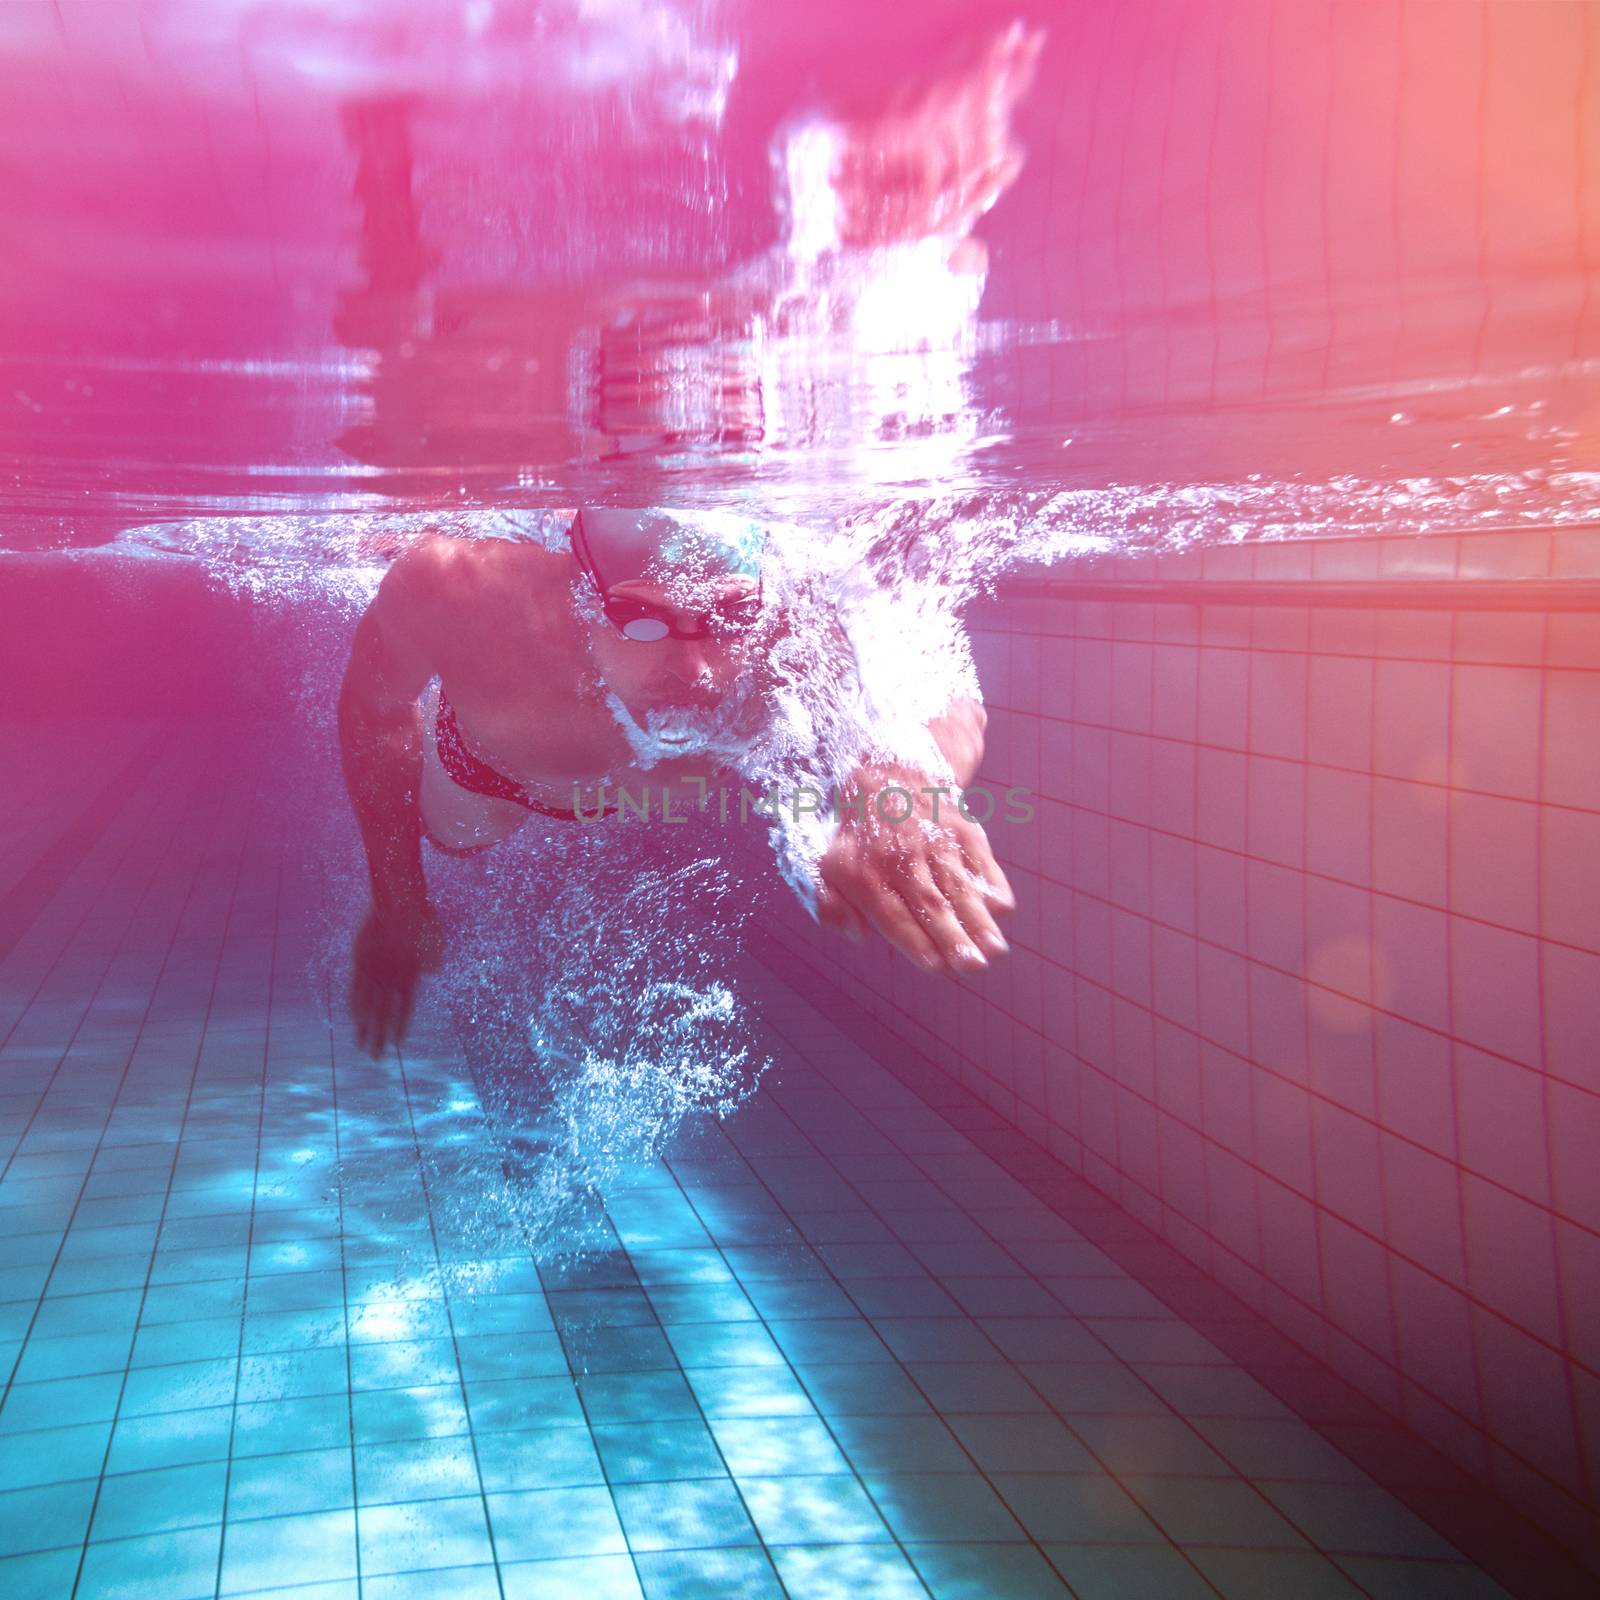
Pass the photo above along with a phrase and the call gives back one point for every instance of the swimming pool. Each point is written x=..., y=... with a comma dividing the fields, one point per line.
x=1211, y=386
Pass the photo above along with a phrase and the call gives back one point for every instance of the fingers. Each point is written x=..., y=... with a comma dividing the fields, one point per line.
x=935, y=898
x=835, y=911
x=372, y=1021
x=902, y=927
x=381, y=1009
x=850, y=897
x=405, y=1000
x=911, y=911
x=401, y=998
x=968, y=903
x=932, y=907
x=974, y=845
x=378, y=1021
x=362, y=1000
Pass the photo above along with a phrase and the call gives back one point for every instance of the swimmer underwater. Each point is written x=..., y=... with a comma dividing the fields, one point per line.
x=639, y=649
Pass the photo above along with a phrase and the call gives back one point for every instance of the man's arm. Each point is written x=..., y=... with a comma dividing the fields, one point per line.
x=380, y=734
x=958, y=732
x=380, y=740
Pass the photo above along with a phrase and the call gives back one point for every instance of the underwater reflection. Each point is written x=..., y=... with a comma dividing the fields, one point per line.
x=857, y=329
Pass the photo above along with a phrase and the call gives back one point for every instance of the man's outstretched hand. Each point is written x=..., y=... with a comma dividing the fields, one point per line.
x=393, y=950
x=930, y=885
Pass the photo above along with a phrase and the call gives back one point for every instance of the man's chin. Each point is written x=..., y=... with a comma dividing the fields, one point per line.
x=658, y=735
x=720, y=733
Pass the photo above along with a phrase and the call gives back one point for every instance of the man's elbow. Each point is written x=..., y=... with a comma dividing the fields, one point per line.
x=367, y=690
x=368, y=709
x=355, y=698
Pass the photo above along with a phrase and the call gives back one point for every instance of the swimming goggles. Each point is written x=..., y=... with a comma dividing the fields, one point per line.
x=644, y=623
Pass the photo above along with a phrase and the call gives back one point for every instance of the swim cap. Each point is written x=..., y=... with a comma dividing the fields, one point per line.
x=613, y=546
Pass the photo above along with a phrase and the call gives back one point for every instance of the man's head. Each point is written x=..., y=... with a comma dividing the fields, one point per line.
x=679, y=602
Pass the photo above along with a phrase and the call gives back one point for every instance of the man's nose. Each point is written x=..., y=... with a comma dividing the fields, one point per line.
x=690, y=662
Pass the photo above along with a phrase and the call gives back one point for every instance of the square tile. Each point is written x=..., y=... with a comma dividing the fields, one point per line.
x=1023, y=1444
x=583, y=1578
x=133, y=1504
x=928, y=1508
x=186, y=1386
x=1356, y=1519
x=415, y=1469
x=898, y=1443
x=403, y=1364
x=621, y=1348
x=1204, y=1511
x=544, y=1524
x=1087, y=1507
x=423, y=1534
x=649, y=1452
x=611, y=1397
x=460, y=1583
x=60, y=1403
x=734, y=1573
x=170, y=1439
x=504, y=1404
x=541, y=1458
x=750, y=1392
x=286, y=1485
x=954, y=1388
x=812, y=1510
x=1388, y=1578
x=269, y=1427
x=686, y=1514
x=965, y=1571
x=45, y=1518
x=723, y=1344
x=828, y=1572
x=39, y=1577
x=163, y=1566
x=1267, y=1574
x=777, y=1446
x=1127, y=1572
x=277, y=1551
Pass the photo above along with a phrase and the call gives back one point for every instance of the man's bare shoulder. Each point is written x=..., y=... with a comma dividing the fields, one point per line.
x=450, y=592
x=449, y=580
x=435, y=572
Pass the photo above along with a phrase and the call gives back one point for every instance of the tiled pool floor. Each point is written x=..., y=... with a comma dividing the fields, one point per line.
x=829, y=1348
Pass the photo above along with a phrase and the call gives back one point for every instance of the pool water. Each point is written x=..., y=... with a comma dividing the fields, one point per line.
x=861, y=1338
x=1209, y=384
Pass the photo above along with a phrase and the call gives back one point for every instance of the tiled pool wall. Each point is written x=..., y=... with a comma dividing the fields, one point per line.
x=1364, y=181
x=1306, y=965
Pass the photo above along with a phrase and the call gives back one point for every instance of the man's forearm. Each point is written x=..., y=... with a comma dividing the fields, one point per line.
x=382, y=756
x=959, y=736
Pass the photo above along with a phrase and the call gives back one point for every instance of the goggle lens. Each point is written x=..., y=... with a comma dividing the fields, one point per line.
x=644, y=625
x=645, y=630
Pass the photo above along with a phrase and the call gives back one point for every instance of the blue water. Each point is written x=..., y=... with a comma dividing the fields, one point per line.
x=265, y=1335
x=643, y=1269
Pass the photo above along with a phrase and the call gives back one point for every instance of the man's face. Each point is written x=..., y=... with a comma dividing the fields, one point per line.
x=684, y=692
